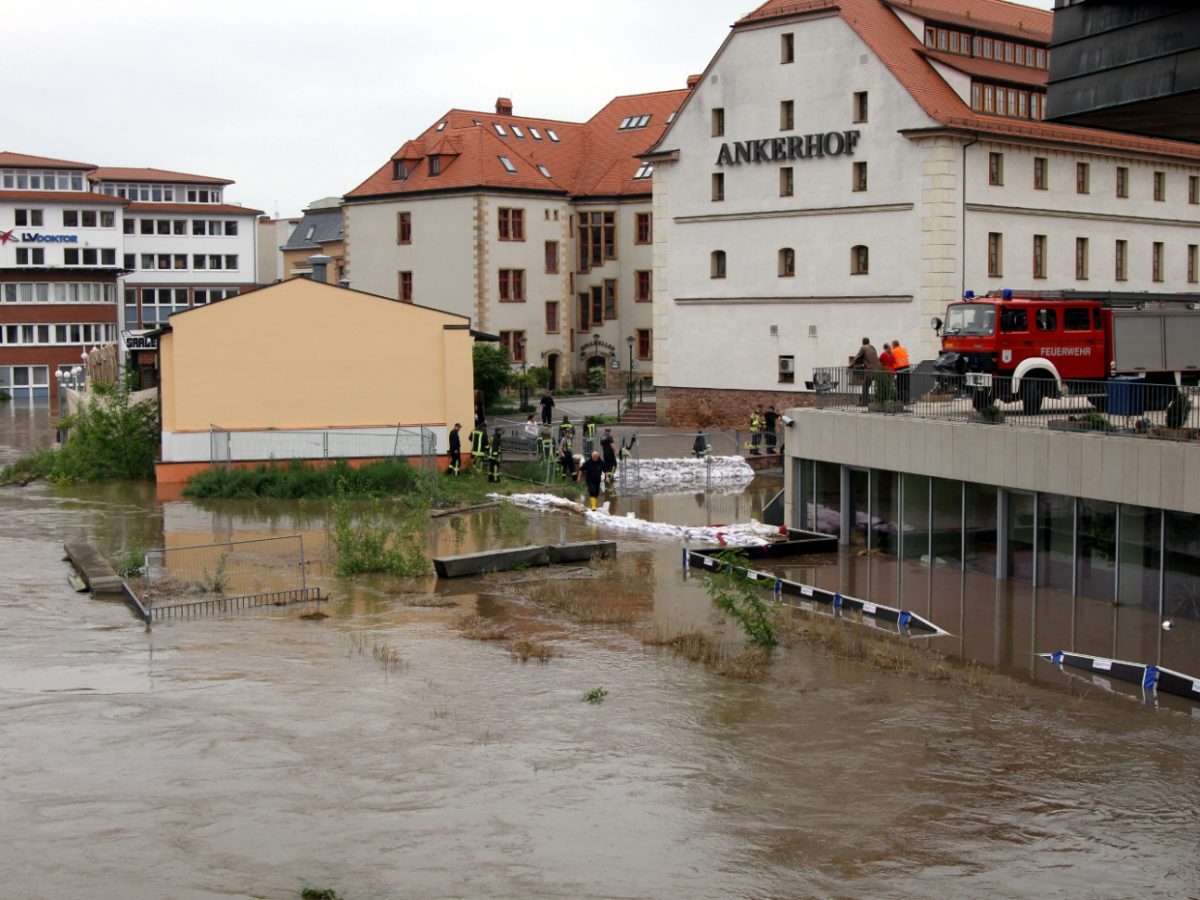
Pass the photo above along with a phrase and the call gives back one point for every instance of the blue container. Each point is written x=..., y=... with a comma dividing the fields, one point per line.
x=1126, y=395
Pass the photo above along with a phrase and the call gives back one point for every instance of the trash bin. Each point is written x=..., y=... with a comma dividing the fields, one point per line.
x=1126, y=395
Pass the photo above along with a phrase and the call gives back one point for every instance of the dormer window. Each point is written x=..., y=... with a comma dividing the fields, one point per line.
x=399, y=170
x=435, y=165
x=508, y=166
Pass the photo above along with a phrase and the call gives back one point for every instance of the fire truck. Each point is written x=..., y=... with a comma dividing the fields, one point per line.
x=1008, y=345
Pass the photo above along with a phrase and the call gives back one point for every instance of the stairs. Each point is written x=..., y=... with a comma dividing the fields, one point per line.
x=644, y=413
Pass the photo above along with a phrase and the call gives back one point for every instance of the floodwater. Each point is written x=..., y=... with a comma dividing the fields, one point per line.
x=249, y=755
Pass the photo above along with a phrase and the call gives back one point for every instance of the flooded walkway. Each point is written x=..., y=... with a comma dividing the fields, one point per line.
x=251, y=754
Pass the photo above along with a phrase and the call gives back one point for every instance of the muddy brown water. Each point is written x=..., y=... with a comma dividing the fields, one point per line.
x=251, y=754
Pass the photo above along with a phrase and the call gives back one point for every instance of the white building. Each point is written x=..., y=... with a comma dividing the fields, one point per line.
x=845, y=169
x=539, y=230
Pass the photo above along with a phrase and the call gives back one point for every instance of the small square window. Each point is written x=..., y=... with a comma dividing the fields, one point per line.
x=787, y=48
x=860, y=106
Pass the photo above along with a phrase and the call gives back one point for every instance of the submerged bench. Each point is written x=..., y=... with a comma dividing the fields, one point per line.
x=520, y=557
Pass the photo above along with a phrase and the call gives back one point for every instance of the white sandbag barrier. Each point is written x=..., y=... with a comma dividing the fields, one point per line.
x=684, y=472
x=750, y=534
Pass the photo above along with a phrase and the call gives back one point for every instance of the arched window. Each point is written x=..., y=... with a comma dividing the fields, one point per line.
x=787, y=262
x=718, y=264
x=860, y=260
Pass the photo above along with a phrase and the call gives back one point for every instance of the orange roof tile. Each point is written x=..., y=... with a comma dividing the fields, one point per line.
x=989, y=70
x=592, y=158
x=24, y=160
x=63, y=197
x=118, y=173
x=225, y=209
x=876, y=22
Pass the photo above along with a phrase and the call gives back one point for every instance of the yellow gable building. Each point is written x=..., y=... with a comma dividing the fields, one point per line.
x=307, y=370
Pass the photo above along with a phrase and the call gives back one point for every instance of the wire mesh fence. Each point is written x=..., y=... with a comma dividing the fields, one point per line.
x=1132, y=407
x=183, y=581
x=267, y=444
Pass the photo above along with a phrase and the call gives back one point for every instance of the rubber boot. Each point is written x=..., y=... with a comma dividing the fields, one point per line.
x=592, y=503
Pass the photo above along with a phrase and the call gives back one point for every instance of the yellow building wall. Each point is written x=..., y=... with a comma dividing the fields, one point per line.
x=335, y=250
x=305, y=355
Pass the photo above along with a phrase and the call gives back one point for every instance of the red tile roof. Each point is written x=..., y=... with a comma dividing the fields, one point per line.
x=224, y=209
x=595, y=158
x=75, y=197
x=876, y=22
x=117, y=173
x=24, y=160
x=989, y=70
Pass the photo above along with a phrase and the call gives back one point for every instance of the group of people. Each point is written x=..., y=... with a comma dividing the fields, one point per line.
x=762, y=430
x=485, y=450
x=893, y=359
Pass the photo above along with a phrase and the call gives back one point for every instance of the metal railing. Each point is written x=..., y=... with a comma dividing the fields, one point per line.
x=264, y=445
x=1120, y=406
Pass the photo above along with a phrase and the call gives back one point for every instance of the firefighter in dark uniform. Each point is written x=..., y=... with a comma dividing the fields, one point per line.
x=479, y=444
x=493, y=459
x=592, y=471
x=566, y=431
x=455, y=452
x=609, y=451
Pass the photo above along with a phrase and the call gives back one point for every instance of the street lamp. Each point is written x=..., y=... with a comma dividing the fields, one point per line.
x=629, y=343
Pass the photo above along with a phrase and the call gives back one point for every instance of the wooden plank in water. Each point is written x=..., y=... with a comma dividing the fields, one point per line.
x=490, y=561
x=581, y=551
x=97, y=573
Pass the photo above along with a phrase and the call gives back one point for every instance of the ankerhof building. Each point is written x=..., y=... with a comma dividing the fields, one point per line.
x=60, y=260
x=540, y=230
x=183, y=246
x=845, y=168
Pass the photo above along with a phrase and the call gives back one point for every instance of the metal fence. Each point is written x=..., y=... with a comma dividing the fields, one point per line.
x=265, y=445
x=188, y=581
x=1123, y=406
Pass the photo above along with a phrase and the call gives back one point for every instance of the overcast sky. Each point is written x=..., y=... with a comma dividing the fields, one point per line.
x=301, y=99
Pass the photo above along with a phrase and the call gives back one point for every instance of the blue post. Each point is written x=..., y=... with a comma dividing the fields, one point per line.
x=837, y=601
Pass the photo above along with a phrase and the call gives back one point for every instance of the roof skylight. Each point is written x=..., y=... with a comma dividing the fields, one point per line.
x=630, y=122
x=508, y=166
x=537, y=135
x=500, y=129
x=543, y=170
x=550, y=134
x=645, y=170
x=441, y=125
x=516, y=129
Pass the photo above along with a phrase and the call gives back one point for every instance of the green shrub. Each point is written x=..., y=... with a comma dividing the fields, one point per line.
x=540, y=375
x=376, y=543
x=298, y=479
x=492, y=369
x=743, y=600
x=596, y=379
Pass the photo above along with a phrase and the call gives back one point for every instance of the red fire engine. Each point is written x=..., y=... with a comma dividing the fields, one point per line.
x=1024, y=344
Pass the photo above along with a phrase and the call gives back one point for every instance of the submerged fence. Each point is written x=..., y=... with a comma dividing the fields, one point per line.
x=265, y=445
x=1125, y=406
x=188, y=581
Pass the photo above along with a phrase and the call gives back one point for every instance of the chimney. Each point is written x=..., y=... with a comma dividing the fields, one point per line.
x=693, y=80
x=503, y=106
x=320, y=265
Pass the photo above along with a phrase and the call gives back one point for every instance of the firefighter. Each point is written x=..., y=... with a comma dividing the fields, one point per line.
x=592, y=471
x=455, y=451
x=545, y=443
x=700, y=446
x=756, y=424
x=589, y=435
x=479, y=443
x=609, y=454
x=493, y=458
x=566, y=457
x=566, y=430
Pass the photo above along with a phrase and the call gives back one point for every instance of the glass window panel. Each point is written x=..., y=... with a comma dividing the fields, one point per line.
x=1097, y=563
x=1181, y=581
x=946, y=527
x=1019, y=531
x=828, y=496
x=914, y=530
x=859, y=514
x=1055, y=541
x=1138, y=555
x=885, y=511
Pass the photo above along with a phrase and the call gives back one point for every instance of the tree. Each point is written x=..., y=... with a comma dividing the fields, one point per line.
x=493, y=372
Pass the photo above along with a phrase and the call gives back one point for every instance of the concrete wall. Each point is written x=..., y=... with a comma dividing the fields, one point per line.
x=1142, y=472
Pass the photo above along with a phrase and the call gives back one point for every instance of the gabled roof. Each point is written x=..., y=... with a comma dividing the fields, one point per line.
x=118, y=173
x=326, y=225
x=876, y=22
x=570, y=158
x=221, y=209
x=25, y=161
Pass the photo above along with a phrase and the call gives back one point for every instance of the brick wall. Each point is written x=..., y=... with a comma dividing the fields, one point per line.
x=708, y=408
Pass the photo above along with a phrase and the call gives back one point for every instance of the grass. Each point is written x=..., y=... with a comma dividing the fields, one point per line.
x=583, y=601
x=311, y=893
x=526, y=648
x=477, y=628
x=388, y=656
x=297, y=479
x=751, y=665
x=429, y=601
x=595, y=696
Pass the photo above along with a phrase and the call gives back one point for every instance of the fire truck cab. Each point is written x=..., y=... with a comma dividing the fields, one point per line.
x=1009, y=344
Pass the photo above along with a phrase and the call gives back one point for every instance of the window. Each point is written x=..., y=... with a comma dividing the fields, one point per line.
x=859, y=177
x=597, y=239
x=508, y=165
x=787, y=115
x=787, y=181
x=1039, y=256
x=787, y=48
x=70, y=218
x=1194, y=189
x=1160, y=186
x=70, y=256
x=435, y=165
x=551, y=256
x=31, y=256
x=787, y=262
x=406, y=287
x=31, y=218
x=128, y=226
x=550, y=134
x=1122, y=181
x=88, y=218
x=644, y=230
x=551, y=317
x=995, y=251
x=643, y=280
x=996, y=168
x=860, y=260
x=597, y=311
x=1046, y=320
x=718, y=186
x=1076, y=319
x=231, y=261
x=610, y=298
x=1156, y=261
x=1081, y=258
x=512, y=224
x=1120, y=257
x=546, y=172
x=130, y=261
x=512, y=285
x=1192, y=274
x=399, y=170
x=1040, y=181
x=718, y=122
x=585, y=319
x=403, y=228
x=860, y=106
x=645, y=343
x=514, y=343
x=645, y=170
x=717, y=264
x=787, y=369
